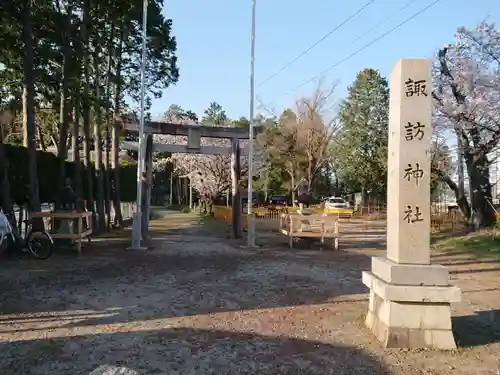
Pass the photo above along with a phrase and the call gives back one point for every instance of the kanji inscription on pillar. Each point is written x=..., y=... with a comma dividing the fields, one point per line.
x=408, y=233
x=409, y=297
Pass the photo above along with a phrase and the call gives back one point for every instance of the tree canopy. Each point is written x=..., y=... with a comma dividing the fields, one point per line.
x=78, y=62
x=467, y=102
x=70, y=69
x=361, y=150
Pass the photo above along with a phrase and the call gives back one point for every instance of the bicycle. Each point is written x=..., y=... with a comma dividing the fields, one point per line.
x=38, y=242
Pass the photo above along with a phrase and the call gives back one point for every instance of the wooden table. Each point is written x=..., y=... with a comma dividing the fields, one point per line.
x=80, y=233
x=320, y=226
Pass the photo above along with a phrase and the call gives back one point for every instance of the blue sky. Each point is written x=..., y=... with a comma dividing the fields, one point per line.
x=213, y=39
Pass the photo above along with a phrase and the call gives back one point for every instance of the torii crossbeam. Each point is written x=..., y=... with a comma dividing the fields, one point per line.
x=194, y=134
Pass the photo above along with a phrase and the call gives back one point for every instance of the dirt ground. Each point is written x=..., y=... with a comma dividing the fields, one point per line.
x=201, y=304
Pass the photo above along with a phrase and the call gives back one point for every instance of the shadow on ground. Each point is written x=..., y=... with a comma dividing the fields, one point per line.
x=481, y=328
x=186, y=351
x=475, y=270
x=194, y=274
x=470, y=262
x=360, y=244
x=190, y=271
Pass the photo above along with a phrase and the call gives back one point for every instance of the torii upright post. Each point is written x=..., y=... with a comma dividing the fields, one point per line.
x=235, y=182
x=194, y=133
x=146, y=191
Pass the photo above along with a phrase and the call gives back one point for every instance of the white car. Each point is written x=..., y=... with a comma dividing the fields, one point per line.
x=336, y=202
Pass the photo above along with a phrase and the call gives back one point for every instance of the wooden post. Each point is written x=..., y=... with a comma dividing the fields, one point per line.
x=171, y=186
x=322, y=232
x=190, y=194
x=235, y=182
x=80, y=231
x=337, y=233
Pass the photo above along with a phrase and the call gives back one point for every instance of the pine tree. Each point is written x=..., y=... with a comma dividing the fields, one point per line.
x=361, y=153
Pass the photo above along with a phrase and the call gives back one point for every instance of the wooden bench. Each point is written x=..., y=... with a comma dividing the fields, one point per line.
x=79, y=233
x=310, y=226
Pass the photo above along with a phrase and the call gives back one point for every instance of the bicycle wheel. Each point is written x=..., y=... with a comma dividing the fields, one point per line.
x=40, y=244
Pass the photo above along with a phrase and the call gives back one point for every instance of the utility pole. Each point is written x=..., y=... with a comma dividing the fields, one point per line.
x=251, y=222
x=137, y=216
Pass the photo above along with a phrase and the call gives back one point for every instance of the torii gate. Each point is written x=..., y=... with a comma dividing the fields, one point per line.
x=194, y=134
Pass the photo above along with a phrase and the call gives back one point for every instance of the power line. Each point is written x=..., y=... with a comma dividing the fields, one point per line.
x=363, y=48
x=407, y=5
x=316, y=43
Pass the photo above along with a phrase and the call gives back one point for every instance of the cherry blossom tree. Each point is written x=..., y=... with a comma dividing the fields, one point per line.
x=209, y=175
x=176, y=114
x=299, y=142
x=467, y=105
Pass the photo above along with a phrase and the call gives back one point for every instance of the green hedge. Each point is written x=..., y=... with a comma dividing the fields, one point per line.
x=48, y=176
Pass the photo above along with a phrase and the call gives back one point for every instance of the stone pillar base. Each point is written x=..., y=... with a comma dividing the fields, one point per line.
x=409, y=316
x=398, y=334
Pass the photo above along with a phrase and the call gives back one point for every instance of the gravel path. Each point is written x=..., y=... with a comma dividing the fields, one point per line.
x=201, y=304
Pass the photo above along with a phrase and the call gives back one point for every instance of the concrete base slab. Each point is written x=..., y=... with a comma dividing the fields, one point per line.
x=112, y=370
x=410, y=325
x=409, y=316
x=135, y=248
x=410, y=274
x=411, y=293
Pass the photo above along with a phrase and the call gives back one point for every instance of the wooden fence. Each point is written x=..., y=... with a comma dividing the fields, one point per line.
x=442, y=218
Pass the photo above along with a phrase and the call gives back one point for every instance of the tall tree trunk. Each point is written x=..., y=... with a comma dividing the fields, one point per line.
x=460, y=197
x=86, y=109
x=115, y=140
x=29, y=111
x=458, y=188
x=6, y=201
x=107, y=178
x=76, y=74
x=41, y=141
x=482, y=212
x=310, y=173
x=460, y=193
x=266, y=186
x=75, y=145
x=101, y=221
x=115, y=165
x=292, y=183
x=64, y=109
x=107, y=143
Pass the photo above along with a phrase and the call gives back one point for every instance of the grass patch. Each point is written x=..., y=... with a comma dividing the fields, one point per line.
x=115, y=233
x=482, y=244
x=214, y=225
x=184, y=208
x=208, y=220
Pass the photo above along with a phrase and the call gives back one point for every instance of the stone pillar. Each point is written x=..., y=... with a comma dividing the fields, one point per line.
x=410, y=298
